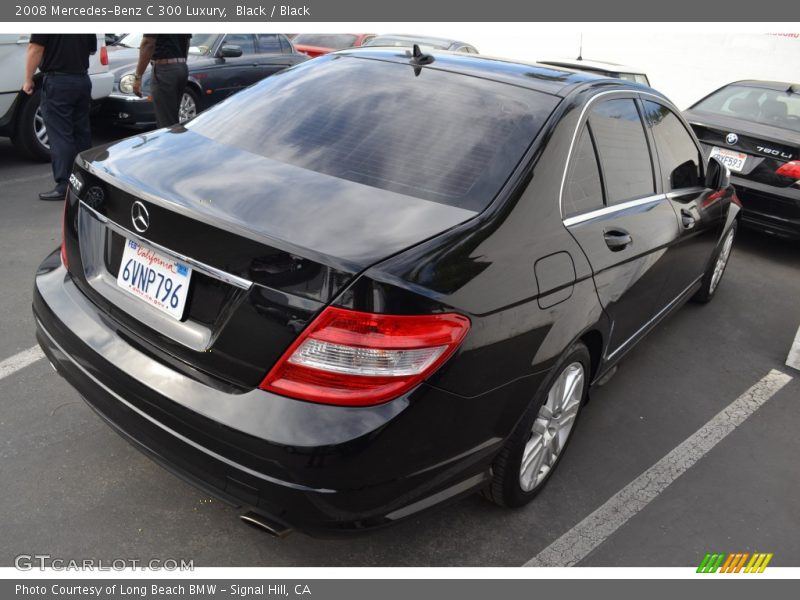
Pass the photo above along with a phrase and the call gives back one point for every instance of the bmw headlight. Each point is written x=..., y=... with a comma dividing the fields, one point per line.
x=126, y=83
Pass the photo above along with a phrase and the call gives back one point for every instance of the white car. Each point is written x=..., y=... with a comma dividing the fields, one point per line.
x=599, y=67
x=20, y=117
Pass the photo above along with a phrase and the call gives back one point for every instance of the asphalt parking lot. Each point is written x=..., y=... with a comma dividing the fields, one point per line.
x=70, y=487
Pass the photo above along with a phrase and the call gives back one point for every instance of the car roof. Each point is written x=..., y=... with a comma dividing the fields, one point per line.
x=594, y=64
x=420, y=39
x=779, y=86
x=543, y=78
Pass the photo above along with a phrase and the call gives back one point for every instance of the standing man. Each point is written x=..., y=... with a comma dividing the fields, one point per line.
x=167, y=53
x=65, y=99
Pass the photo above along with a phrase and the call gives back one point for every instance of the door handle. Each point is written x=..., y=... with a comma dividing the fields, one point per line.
x=617, y=239
x=687, y=219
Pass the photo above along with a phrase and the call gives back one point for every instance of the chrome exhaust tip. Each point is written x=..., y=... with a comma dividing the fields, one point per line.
x=262, y=523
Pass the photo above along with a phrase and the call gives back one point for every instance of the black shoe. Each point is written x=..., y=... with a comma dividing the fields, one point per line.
x=54, y=194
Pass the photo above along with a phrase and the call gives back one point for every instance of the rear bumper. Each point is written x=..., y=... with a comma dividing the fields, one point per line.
x=768, y=208
x=316, y=468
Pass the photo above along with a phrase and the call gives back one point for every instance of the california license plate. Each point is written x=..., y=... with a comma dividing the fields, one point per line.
x=731, y=159
x=157, y=279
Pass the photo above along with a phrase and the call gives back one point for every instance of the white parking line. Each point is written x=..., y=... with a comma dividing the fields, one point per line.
x=578, y=542
x=20, y=361
x=793, y=360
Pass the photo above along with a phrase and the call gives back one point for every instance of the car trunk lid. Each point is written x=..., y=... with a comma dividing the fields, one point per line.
x=269, y=250
x=766, y=148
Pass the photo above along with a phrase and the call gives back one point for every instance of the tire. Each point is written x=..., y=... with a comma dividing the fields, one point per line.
x=30, y=136
x=716, y=267
x=190, y=105
x=509, y=486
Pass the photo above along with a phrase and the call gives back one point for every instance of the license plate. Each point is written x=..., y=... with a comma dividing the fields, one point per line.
x=731, y=159
x=154, y=278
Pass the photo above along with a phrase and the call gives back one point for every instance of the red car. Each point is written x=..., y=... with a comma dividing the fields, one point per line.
x=316, y=44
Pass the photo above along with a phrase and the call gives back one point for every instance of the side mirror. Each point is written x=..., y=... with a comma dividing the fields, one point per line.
x=230, y=51
x=718, y=176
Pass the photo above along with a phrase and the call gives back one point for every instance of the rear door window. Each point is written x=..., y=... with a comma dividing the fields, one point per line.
x=583, y=191
x=424, y=132
x=622, y=149
x=269, y=43
x=678, y=155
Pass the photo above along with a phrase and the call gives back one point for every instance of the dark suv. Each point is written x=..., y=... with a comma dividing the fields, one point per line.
x=378, y=281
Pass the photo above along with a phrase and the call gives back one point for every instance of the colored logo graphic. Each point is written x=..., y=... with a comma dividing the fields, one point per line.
x=735, y=562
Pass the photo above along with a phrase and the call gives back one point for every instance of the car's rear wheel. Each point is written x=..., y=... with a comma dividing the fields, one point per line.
x=531, y=454
x=30, y=136
x=716, y=268
x=188, y=107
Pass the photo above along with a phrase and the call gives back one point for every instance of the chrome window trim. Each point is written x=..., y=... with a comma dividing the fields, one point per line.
x=697, y=189
x=607, y=210
x=202, y=267
x=629, y=93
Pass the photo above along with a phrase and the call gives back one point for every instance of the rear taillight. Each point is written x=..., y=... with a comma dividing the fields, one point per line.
x=64, y=236
x=353, y=358
x=790, y=169
x=104, y=55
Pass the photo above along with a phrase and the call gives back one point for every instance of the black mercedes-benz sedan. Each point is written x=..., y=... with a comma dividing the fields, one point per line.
x=753, y=127
x=378, y=281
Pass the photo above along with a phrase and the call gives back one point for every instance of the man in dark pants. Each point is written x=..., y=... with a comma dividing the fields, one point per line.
x=167, y=53
x=65, y=99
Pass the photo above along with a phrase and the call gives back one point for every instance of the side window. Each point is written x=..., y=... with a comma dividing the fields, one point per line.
x=622, y=149
x=243, y=40
x=269, y=43
x=583, y=190
x=677, y=153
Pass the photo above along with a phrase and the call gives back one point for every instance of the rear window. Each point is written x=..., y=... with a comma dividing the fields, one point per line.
x=326, y=40
x=426, y=133
x=759, y=105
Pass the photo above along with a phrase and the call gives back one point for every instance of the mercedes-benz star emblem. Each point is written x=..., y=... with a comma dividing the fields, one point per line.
x=732, y=138
x=140, y=217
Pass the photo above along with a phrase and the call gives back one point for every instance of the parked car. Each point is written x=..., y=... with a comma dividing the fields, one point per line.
x=599, y=67
x=753, y=127
x=317, y=44
x=426, y=43
x=337, y=312
x=220, y=64
x=20, y=117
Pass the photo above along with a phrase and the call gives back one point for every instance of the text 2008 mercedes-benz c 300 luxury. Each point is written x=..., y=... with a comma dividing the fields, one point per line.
x=380, y=280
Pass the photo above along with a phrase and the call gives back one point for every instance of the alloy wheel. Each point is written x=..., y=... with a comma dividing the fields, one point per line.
x=39, y=130
x=188, y=108
x=722, y=261
x=552, y=427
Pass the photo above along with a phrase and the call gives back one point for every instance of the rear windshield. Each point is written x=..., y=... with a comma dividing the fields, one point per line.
x=759, y=105
x=326, y=40
x=421, y=132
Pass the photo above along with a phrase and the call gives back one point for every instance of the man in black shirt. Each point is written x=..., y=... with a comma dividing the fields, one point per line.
x=65, y=98
x=167, y=53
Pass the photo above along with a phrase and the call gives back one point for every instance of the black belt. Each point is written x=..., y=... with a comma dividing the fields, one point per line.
x=64, y=73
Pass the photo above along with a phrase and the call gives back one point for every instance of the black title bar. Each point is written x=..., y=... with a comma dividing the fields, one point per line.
x=342, y=11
